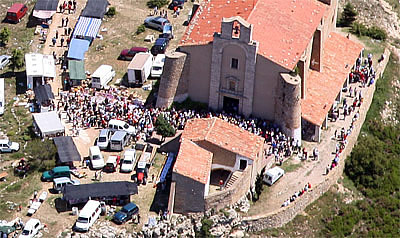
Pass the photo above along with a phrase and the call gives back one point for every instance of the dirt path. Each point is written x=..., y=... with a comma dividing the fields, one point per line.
x=310, y=171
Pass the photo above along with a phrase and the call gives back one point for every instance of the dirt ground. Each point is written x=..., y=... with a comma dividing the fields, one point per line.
x=118, y=33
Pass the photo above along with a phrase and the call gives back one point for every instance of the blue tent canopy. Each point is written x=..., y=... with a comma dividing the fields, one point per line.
x=87, y=27
x=77, y=49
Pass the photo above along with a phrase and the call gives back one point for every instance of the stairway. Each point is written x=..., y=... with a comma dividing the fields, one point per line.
x=232, y=180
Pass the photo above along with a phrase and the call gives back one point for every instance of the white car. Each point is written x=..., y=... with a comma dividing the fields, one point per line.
x=96, y=158
x=31, y=228
x=128, y=161
x=4, y=61
x=8, y=146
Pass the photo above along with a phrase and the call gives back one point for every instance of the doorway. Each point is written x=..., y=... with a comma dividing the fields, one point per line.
x=231, y=105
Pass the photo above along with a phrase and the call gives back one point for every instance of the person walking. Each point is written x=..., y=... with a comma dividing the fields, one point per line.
x=66, y=21
x=62, y=22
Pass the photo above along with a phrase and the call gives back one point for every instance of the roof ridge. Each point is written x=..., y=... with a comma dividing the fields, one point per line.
x=210, y=129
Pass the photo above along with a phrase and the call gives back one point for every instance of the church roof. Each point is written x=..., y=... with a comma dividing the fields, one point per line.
x=340, y=54
x=225, y=135
x=283, y=28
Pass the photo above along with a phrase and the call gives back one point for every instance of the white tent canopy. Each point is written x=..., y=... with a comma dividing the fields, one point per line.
x=48, y=124
x=38, y=67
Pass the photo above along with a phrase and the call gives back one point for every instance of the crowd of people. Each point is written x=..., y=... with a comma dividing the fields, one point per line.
x=87, y=108
x=296, y=195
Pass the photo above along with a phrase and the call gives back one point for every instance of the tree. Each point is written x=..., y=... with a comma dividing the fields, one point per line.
x=349, y=15
x=4, y=36
x=41, y=150
x=204, y=232
x=164, y=128
x=17, y=60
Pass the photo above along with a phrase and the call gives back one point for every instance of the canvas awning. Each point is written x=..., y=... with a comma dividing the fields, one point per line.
x=78, y=48
x=76, y=69
x=43, y=93
x=46, y=5
x=67, y=151
x=82, y=193
x=87, y=27
x=48, y=123
x=39, y=65
x=95, y=8
x=41, y=14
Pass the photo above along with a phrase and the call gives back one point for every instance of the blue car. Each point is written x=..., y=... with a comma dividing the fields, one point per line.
x=160, y=46
x=126, y=213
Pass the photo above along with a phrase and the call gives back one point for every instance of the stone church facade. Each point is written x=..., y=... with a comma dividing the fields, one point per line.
x=256, y=61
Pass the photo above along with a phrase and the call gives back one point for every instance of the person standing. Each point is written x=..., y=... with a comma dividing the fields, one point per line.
x=53, y=40
x=66, y=22
x=62, y=41
x=56, y=34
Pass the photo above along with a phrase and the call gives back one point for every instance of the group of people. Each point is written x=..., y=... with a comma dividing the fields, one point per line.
x=87, y=108
x=363, y=74
x=69, y=6
x=296, y=195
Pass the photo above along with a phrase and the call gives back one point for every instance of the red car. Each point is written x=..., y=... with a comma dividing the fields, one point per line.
x=128, y=54
x=112, y=163
x=16, y=12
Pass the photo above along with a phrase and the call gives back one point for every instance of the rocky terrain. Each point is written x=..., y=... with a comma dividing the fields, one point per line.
x=376, y=13
x=226, y=223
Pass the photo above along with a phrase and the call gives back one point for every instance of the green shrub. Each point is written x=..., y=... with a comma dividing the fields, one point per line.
x=157, y=3
x=377, y=33
x=189, y=104
x=164, y=128
x=374, y=32
x=111, y=12
x=140, y=29
x=204, y=232
x=4, y=36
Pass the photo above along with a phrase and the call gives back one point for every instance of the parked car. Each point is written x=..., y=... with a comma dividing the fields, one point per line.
x=56, y=172
x=87, y=216
x=7, y=146
x=16, y=12
x=60, y=183
x=156, y=22
x=4, y=61
x=118, y=125
x=128, y=54
x=160, y=46
x=96, y=158
x=272, y=175
x=112, y=163
x=129, y=161
x=103, y=140
x=126, y=213
x=176, y=3
x=31, y=228
x=167, y=32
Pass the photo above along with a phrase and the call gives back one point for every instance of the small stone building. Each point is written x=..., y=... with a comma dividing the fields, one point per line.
x=278, y=60
x=213, y=150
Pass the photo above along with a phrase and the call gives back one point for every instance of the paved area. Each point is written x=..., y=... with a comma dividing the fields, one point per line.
x=311, y=171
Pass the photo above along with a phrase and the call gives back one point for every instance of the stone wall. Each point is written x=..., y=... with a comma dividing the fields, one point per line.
x=230, y=195
x=286, y=214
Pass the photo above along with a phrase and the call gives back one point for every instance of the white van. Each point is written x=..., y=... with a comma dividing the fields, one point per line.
x=118, y=125
x=272, y=175
x=2, y=101
x=129, y=161
x=104, y=139
x=119, y=140
x=96, y=158
x=158, y=66
x=102, y=76
x=31, y=228
x=88, y=215
x=60, y=183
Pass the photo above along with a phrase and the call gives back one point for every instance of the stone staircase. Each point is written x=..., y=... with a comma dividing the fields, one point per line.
x=232, y=180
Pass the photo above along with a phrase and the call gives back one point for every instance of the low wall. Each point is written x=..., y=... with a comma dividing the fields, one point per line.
x=239, y=189
x=286, y=214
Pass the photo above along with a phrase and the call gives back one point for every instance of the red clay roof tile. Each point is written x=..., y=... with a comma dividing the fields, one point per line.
x=193, y=161
x=283, y=28
x=225, y=135
x=340, y=54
